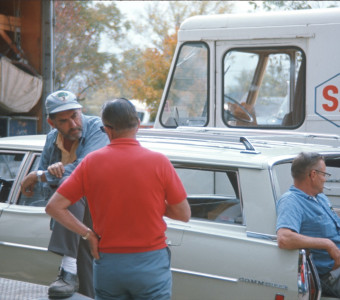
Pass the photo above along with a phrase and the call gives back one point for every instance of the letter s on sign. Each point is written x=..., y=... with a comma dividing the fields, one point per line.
x=334, y=100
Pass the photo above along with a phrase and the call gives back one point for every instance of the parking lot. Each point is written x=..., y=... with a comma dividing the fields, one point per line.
x=19, y=290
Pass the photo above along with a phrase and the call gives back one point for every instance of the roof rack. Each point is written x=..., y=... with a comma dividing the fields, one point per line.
x=226, y=134
x=249, y=147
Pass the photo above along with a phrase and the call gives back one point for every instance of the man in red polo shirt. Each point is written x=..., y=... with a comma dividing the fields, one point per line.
x=129, y=189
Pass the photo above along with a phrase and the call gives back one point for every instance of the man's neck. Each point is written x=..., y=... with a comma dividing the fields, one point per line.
x=68, y=144
x=127, y=134
x=306, y=189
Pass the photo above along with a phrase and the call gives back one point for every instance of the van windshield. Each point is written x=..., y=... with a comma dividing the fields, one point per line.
x=187, y=98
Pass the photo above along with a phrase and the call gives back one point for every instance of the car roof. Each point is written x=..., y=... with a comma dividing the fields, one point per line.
x=231, y=147
x=205, y=146
x=23, y=142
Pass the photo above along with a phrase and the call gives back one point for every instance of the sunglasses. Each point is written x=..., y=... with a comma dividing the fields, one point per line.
x=102, y=128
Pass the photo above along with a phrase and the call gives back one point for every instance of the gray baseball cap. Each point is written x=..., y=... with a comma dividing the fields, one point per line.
x=61, y=101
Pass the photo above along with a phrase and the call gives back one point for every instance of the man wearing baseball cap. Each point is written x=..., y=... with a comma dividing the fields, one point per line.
x=73, y=136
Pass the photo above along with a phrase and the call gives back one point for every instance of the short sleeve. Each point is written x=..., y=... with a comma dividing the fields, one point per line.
x=289, y=213
x=174, y=189
x=73, y=187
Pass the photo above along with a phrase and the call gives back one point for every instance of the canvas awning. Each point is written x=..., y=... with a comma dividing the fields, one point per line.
x=19, y=90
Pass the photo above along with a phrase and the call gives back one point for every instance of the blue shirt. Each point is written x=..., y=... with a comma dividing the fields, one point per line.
x=92, y=138
x=310, y=216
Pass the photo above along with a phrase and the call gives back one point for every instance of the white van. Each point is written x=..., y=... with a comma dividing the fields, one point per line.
x=269, y=71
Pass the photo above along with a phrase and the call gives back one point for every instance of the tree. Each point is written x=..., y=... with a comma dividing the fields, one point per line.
x=79, y=65
x=145, y=78
x=291, y=5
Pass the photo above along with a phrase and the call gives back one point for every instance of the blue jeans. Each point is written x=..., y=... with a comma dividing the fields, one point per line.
x=133, y=276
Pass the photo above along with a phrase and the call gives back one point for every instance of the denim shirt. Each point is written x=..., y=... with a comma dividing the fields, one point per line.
x=92, y=139
x=310, y=216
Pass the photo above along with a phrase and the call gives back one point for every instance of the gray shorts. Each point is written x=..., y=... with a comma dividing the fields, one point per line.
x=330, y=283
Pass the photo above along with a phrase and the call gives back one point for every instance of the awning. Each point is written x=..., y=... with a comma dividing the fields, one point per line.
x=19, y=91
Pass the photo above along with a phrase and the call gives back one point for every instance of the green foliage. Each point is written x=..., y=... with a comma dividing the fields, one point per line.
x=291, y=5
x=79, y=66
x=146, y=77
x=138, y=72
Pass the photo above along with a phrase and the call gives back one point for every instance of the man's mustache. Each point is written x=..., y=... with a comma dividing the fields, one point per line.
x=76, y=128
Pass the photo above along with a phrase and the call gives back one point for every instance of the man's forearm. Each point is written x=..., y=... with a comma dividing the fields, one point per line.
x=57, y=209
x=180, y=211
x=288, y=239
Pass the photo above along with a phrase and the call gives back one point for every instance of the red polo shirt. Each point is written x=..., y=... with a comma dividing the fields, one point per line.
x=126, y=186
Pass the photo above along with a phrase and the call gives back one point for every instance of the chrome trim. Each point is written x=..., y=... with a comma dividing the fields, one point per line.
x=204, y=275
x=23, y=246
x=249, y=146
x=262, y=236
x=315, y=274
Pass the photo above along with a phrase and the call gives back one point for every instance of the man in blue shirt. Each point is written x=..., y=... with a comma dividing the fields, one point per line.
x=305, y=219
x=73, y=136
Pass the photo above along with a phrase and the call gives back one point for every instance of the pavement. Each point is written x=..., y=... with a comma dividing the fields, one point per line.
x=19, y=290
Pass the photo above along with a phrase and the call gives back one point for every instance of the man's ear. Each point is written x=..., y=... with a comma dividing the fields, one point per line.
x=49, y=121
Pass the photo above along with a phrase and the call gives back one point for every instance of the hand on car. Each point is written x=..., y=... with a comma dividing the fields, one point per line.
x=28, y=183
x=56, y=169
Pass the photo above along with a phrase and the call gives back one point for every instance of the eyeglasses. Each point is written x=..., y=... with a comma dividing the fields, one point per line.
x=103, y=129
x=324, y=173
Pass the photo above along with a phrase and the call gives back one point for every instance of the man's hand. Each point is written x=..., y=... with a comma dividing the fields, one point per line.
x=28, y=183
x=57, y=169
x=94, y=242
x=334, y=253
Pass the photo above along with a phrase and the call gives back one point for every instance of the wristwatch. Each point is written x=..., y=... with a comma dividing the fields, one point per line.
x=86, y=236
x=39, y=174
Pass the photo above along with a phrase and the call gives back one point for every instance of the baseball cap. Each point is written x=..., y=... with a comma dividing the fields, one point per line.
x=61, y=101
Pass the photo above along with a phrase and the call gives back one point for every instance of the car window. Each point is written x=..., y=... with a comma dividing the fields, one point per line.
x=282, y=179
x=212, y=195
x=37, y=199
x=10, y=164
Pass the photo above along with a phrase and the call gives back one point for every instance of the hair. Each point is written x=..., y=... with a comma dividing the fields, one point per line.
x=304, y=163
x=120, y=114
x=52, y=116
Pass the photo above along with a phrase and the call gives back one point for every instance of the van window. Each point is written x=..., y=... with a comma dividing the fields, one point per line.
x=212, y=195
x=186, y=101
x=264, y=87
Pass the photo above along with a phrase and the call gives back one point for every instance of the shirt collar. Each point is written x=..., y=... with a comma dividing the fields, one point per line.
x=125, y=141
x=303, y=194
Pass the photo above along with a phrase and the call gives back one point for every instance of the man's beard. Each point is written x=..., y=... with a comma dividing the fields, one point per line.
x=73, y=137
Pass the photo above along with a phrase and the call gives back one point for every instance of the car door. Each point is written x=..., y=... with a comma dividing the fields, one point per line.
x=217, y=258
x=24, y=225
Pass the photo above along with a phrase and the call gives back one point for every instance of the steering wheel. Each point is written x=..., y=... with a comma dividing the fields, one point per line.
x=229, y=113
